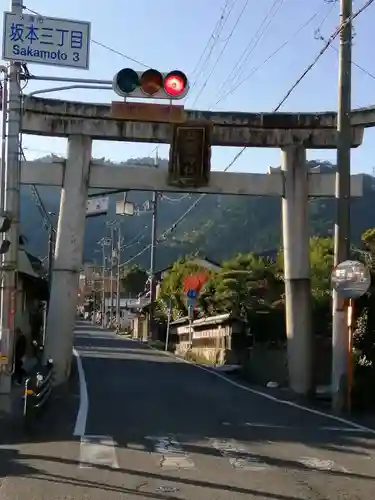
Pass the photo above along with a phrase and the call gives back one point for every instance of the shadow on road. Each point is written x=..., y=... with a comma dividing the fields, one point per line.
x=16, y=469
x=135, y=392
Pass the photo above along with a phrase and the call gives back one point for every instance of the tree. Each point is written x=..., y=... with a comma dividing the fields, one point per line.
x=133, y=280
x=364, y=334
x=244, y=283
x=172, y=288
x=321, y=264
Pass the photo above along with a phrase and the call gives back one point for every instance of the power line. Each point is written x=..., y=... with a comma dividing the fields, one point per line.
x=174, y=200
x=308, y=69
x=220, y=25
x=214, y=35
x=48, y=224
x=328, y=13
x=271, y=56
x=324, y=49
x=100, y=44
x=239, y=17
x=236, y=71
x=364, y=70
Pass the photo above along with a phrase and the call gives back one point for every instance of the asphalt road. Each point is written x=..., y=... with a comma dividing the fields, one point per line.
x=158, y=428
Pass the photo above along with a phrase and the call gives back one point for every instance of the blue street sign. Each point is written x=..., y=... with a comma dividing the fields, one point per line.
x=192, y=294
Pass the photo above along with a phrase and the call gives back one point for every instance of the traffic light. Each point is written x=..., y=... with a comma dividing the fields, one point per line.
x=5, y=224
x=190, y=155
x=151, y=84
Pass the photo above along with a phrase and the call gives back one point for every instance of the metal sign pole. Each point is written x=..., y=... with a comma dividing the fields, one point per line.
x=350, y=354
x=11, y=205
x=350, y=280
x=168, y=324
x=103, y=286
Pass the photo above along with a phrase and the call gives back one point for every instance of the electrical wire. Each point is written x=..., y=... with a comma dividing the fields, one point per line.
x=326, y=46
x=174, y=200
x=328, y=13
x=236, y=71
x=47, y=221
x=137, y=238
x=318, y=36
x=308, y=69
x=265, y=61
x=100, y=44
x=218, y=28
x=239, y=17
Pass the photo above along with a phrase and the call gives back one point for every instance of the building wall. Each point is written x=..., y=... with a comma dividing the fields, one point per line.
x=215, y=344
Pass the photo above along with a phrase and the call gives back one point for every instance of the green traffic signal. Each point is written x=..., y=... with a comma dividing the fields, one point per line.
x=127, y=80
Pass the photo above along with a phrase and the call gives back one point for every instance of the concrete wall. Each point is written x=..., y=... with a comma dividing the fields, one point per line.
x=269, y=363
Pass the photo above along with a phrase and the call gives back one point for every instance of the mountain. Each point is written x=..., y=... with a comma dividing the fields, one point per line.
x=218, y=227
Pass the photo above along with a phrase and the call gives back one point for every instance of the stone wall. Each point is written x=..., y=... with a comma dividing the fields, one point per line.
x=268, y=363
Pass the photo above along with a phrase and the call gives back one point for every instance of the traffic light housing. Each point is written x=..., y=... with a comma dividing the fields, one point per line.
x=5, y=225
x=190, y=155
x=151, y=84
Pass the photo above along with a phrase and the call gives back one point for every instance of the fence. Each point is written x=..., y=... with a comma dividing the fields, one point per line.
x=38, y=388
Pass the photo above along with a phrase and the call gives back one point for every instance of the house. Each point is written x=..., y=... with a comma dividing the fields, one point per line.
x=32, y=289
x=220, y=340
x=91, y=282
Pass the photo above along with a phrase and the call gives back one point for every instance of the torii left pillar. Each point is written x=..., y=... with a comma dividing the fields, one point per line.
x=68, y=257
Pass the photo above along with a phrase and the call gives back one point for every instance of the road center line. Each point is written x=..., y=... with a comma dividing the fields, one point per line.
x=80, y=425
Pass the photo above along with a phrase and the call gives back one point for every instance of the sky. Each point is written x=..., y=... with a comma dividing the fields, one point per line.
x=172, y=34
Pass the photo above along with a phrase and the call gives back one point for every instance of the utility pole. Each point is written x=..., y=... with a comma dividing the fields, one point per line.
x=118, y=298
x=51, y=250
x=111, y=224
x=152, y=256
x=103, y=285
x=111, y=272
x=4, y=104
x=12, y=206
x=342, y=225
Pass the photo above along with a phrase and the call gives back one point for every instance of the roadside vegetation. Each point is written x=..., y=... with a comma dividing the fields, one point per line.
x=253, y=288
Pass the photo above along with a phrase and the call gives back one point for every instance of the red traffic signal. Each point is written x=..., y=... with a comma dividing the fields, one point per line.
x=151, y=84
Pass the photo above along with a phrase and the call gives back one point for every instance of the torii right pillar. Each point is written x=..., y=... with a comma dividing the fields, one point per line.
x=298, y=303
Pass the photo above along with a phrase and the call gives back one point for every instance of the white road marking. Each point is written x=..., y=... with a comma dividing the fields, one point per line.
x=98, y=450
x=341, y=429
x=317, y=463
x=238, y=455
x=269, y=426
x=80, y=426
x=323, y=465
x=264, y=395
x=300, y=427
x=173, y=456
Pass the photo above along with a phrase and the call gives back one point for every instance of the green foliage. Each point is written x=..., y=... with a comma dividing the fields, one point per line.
x=244, y=283
x=321, y=264
x=172, y=289
x=133, y=280
x=364, y=334
x=252, y=287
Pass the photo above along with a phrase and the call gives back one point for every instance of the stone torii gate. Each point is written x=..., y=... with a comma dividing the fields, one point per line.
x=82, y=123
